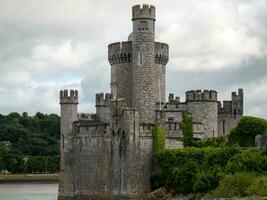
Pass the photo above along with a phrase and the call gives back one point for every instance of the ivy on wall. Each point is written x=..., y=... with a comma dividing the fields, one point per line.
x=159, y=137
x=187, y=130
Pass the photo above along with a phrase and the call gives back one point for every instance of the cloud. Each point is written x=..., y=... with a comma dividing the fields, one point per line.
x=50, y=45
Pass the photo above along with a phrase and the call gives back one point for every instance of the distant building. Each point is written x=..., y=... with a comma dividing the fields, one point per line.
x=108, y=155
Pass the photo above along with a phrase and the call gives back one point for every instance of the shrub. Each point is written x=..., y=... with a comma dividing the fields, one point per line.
x=207, y=180
x=191, y=169
x=246, y=130
x=247, y=161
x=211, y=142
x=234, y=185
x=157, y=179
x=181, y=179
x=157, y=194
x=159, y=137
x=258, y=187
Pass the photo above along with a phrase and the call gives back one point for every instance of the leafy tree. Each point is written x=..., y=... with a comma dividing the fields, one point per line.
x=247, y=128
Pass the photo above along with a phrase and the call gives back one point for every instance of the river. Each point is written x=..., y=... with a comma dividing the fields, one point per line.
x=28, y=191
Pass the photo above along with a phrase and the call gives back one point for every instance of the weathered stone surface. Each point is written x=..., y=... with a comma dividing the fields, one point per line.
x=109, y=155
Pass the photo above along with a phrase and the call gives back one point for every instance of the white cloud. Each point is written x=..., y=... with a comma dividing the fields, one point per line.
x=50, y=45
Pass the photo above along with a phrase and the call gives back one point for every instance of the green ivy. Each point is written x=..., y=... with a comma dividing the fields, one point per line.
x=187, y=130
x=159, y=137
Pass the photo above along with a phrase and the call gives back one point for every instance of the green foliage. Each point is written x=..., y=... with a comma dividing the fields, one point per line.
x=207, y=156
x=187, y=130
x=234, y=185
x=248, y=127
x=248, y=161
x=207, y=180
x=159, y=137
x=211, y=142
x=181, y=179
x=24, y=136
x=157, y=194
x=258, y=187
x=191, y=169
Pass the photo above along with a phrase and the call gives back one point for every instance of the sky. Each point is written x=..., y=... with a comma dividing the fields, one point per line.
x=46, y=46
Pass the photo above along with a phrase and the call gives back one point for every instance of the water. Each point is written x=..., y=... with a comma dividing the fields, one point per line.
x=28, y=191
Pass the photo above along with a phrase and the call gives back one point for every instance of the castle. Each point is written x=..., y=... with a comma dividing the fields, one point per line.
x=108, y=155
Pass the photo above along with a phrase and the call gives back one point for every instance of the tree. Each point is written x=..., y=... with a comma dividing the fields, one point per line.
x=247, y=128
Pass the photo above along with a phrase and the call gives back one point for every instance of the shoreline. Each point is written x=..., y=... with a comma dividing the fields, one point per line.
x=26, y=178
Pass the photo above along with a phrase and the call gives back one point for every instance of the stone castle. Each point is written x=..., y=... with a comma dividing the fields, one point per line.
x=108, y=155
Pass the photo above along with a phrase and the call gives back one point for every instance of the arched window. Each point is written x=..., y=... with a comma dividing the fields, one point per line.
x=141, y=57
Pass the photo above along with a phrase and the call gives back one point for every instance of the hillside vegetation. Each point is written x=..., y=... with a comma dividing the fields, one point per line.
x=29, y=144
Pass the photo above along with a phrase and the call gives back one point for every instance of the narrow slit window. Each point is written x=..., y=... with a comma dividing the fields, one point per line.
x=141, y=57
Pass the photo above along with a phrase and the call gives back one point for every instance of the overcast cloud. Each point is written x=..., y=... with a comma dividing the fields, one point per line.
x=46, y=46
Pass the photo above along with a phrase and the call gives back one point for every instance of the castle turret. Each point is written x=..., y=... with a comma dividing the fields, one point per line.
x=204, y=109
x=120, y=59
x=68, y=113
x=237, y=104
x=230, y=112
x=145, y=83
x=102, y=104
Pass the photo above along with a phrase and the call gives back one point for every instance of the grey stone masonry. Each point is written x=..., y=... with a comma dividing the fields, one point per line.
x=108, y=155
x=68, y=113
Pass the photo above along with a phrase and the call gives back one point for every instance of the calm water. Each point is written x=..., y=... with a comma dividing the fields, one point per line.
x=28, y=191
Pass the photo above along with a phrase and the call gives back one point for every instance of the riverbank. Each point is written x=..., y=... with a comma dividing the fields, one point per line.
x=4, y=178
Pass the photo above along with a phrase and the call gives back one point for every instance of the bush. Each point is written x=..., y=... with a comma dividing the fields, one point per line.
x=208, y=156
x=247, y=161
x=211, y=142
x=258, y=187
x=234, y=185
x=181, y=179
x=191, y=169
x=157, y=194
x=207, y=180
x=246, y=130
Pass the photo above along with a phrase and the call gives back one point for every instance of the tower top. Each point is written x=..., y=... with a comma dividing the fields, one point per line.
x=144, y=11
x=68, y=97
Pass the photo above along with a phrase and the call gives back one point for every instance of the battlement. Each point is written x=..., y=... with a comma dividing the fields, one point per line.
x=225, y=108
x=120, y=52
x=68, y=97
x=198, y=95
x=143, y=11
x=237, y=96
x=161, y=53
x=102, y=99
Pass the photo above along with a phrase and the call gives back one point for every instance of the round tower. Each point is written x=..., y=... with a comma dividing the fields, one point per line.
x=68, y=113
x=120, y=56
x=203, y=106
x=145, y=86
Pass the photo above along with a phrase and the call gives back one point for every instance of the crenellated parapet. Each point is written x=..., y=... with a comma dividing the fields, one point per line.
x=144, y=11
x=120, y=52
x=161, y=53
x=102, y=99
x=199, y=95
x=68, y=97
